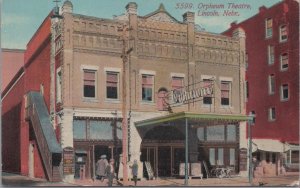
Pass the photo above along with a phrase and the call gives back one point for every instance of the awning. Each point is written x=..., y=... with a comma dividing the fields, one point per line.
x=269, y=145
x=192, y=117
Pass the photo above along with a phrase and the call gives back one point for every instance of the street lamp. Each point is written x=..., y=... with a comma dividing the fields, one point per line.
x=251, y=122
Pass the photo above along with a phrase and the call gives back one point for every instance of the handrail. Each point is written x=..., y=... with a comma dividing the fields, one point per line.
x=37, y=112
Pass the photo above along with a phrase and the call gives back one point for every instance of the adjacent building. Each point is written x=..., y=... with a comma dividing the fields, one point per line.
x=181, y=84
x=272, y=81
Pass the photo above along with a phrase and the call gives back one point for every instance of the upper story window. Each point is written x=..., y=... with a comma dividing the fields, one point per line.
x=58, y=85
x=225, y=93
x=112, y=85
x=269, y=27
x=89, y=83
x=283, y=33
x=208, y=98
x=271, y=84
x=247, y=89
x=147, y=87
x=284, y=61
x=284, y=92
x=272, y=114
x=270, y=55
x=177, y=83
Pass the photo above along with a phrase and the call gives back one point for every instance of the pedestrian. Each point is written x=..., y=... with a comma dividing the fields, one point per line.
x=135, y=168
x=101, y=165
x=257, y=171
x=110, y=171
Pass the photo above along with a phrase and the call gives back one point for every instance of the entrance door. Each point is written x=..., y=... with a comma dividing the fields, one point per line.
x=31, y=160
x=164, y=161
x=149, y=154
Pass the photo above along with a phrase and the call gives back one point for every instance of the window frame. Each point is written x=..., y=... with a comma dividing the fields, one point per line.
x=58, y=88
x=229, y=92
x=271, y=90
x=211, y=97
x=270, y=114
x=282, y=92
x=95, y=92
x=280, y=33
x=285, y=54
x=118, y=85
x=153, y=85
x=267, y=35
x=271, y=56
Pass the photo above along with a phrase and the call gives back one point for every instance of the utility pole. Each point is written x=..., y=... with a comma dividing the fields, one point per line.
x=251, y=122
x=125, y=52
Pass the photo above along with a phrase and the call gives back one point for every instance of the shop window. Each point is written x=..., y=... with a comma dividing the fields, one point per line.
x=271, y=84
x=79, y=129
x=269, y=27
x=225, y=93
x=212, y=158
x=295, y=156
x=231, y=133
x=284, y=61
x=272, y=114
x=215, y=133
x=284, y=92
x=101, y=130
x=200, y=133
x=283, y=32
x=112, y=85
x=270, y=55
x=208, y=98
x=89, y=83
x=274, y=158
x=147, y=88
x=232, y=156
x=220, y=160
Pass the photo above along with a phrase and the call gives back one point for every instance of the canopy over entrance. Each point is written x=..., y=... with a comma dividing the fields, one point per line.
x=269, y=145
x=192, y=118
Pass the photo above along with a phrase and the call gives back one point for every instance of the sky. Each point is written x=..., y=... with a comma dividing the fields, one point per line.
x=21, y=18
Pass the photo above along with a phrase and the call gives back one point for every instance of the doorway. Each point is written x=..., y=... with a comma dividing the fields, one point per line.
x=31, y=160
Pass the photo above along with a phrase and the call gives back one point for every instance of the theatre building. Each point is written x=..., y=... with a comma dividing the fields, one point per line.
x=178, y=79
x=272, y=77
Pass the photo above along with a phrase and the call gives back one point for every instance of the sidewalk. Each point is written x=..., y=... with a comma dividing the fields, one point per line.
x=236, y=181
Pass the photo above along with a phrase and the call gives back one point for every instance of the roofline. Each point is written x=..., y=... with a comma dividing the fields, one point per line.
x=191, y=115
x=276, y=4
x=13, y=81
x=12, y=50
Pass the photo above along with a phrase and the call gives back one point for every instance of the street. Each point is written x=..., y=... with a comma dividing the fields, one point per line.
x=282, y=181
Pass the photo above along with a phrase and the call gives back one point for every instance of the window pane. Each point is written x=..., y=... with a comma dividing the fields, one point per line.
x=101, y=130
x=231, y=133
x=232, y=156
x=285, y=91
x=208, y=98
x=112, y=79
x=147, y=87
x=284, y=61
x=177, y=82
x=212, y=159
x=220, y=156
x=295, y=157
x=269, y=30
x=79, y=129
x=200, y=133
x=89, y=83
x=225, y=92
x=215, y=133
x=271, y=84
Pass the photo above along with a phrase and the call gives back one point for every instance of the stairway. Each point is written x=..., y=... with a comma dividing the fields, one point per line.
x=51, y=151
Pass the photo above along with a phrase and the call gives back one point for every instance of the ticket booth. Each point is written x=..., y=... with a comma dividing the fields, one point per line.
x=80, y=164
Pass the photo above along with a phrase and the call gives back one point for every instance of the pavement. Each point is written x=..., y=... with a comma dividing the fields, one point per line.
x=281, y=181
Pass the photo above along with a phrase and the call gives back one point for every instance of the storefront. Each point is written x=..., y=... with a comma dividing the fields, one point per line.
x=203, y=137
x=94, y=137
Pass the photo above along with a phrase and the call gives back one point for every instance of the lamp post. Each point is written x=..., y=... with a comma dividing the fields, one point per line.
x=250, y=123
x=124, y=38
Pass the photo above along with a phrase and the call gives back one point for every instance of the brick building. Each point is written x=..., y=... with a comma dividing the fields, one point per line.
x=12, y=60
x=68, y=96
x=272, y=76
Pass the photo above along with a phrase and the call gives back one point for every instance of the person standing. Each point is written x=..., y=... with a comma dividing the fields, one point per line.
x=110, y=171
x=257, y=171
x=135, y=168
x=100, y=167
